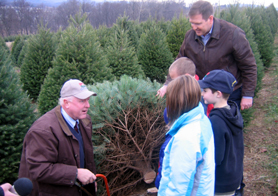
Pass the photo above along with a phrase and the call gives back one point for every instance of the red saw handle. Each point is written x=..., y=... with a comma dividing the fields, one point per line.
x=105, y=181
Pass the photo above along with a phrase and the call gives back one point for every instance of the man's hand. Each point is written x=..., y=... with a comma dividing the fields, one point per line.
x=161, y=92
x=85, y=176
x=6, y=187
x=246, y=103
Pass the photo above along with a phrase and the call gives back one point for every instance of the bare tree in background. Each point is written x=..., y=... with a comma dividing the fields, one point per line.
x=133, y=10
x=64, y=11
x=23, y=18
x=87, y=7
x=171, y=9
x=8, y=21
x=23, y=13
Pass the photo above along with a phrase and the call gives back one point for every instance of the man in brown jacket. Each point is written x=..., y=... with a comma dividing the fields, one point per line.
x=57, y=150
x=217, y=44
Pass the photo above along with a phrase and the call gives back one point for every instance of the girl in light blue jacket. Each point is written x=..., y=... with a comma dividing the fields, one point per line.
x=188, y=165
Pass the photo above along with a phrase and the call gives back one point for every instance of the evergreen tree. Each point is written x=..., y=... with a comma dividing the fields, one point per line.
x=147, y=25
x=37, y=61
x=22, y=53
x=57, y=37
x=238, y=17
x=272, y=19
x=16, y=116
x=103, y=35
x=128, y=26
x=154, y=55
x=3, y=44
x=176, y=33
x=263, y=12
x=78, y=56
x=262, y=33
x=128, y=130
x=164, y=25
x=139, y=29
x=16, y=49
x=121, y=55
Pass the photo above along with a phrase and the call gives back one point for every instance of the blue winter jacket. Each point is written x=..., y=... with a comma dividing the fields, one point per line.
x=188, y=165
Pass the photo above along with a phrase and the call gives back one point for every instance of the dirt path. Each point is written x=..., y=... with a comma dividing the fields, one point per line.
x=9, y=44
x=261, y=137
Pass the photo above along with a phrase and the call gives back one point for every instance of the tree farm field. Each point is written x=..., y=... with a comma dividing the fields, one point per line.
x=260, y=139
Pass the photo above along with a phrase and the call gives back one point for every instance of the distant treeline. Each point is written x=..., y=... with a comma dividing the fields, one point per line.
x=21, y=17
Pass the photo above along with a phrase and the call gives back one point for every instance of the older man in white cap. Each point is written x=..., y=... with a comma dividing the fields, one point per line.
x=57, y=150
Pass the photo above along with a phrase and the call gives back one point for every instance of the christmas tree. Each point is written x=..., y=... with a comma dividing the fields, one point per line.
x=16, y=116
x=272, y=18
x=128, y=130
x=176, y=33
x=154, y=54
x=38, y=59
x=121, y=54
x=129, y=27
x=262, y=33
x=78, y=56
x=16, y=49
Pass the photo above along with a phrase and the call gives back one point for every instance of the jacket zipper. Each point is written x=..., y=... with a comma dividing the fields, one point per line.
x=203, y=45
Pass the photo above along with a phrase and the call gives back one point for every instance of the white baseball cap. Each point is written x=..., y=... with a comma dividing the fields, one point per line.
x=76, y=88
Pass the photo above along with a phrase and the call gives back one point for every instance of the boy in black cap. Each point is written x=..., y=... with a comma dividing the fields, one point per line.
x=227, y=124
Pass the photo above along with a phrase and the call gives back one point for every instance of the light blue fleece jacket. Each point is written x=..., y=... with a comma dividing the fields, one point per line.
x=188, y=165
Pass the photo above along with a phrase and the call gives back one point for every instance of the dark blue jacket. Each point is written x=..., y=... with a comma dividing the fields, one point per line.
x=1, y=192
x=161, y=156
x=227, y=125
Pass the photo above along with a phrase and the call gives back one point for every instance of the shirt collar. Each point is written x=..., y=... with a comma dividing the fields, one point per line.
x=68, y=119
x=209, y=33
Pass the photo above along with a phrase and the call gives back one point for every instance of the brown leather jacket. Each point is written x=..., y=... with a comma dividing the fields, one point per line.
x=50, y=155
x=226, y=49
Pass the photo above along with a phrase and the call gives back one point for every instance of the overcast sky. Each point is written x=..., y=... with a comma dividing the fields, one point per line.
x=256, y=2
x=223, y=2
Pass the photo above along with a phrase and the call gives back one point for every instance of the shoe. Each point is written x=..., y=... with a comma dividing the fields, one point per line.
x=239, y=192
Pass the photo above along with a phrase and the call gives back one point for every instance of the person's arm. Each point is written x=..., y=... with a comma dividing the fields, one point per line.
x=42, y=156
x=218, y=126
x=4, y=190
x=183, y=165
x=162, y=91
x=247, y=65
x=246, y=102
x=85, y=176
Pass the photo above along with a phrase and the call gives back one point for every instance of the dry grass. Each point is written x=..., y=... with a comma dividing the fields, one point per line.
x=9, y=44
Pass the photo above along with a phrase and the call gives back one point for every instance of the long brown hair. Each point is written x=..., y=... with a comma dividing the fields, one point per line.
x=183, y=94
